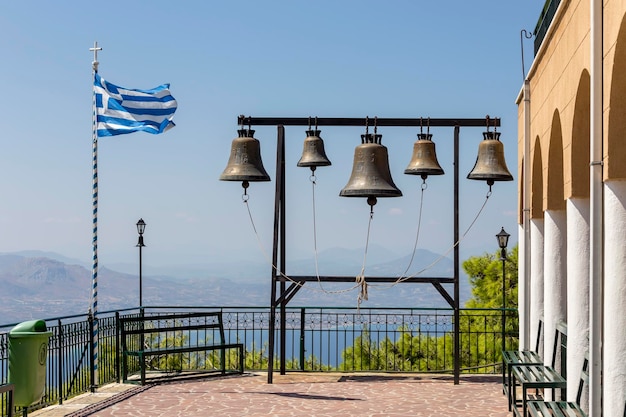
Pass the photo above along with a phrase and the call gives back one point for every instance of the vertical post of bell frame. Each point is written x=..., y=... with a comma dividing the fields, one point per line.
x=279, y=236
x=457, y=364
x=283, y=247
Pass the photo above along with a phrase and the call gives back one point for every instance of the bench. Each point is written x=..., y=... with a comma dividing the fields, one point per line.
x=539, y=377
x=168, y=340
x=563, y=408
x=511, y=358
x=9, y=390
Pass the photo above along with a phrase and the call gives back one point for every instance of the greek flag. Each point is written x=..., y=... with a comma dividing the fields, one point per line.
x=122, y=110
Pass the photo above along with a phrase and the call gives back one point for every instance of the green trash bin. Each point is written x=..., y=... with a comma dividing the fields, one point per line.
x=28, y=352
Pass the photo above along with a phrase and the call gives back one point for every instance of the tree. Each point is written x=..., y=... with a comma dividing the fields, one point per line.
x=485, y=277
x=482, y=329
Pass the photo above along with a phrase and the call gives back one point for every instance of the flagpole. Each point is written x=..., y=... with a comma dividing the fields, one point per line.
x=94, y=196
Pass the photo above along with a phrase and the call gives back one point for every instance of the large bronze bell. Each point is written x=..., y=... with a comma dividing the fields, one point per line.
x=245, y=162
x=313, y=154
x=490, y=164
x=370, y=171
x=424, y=159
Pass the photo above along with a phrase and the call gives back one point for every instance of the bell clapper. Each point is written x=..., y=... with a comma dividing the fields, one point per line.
x=245, y=197
x=313, y=177
x=371, y=200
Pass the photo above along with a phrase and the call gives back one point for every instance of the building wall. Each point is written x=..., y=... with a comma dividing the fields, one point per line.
x=559, y=182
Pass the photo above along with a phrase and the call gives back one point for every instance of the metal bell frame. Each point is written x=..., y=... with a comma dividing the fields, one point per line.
x=280, y=244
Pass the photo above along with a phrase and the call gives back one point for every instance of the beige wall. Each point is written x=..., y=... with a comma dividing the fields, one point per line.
x=555, y=80
x=560, y=112
x=559, y=84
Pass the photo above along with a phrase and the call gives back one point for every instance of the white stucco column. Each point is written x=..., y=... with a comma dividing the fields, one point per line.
x=614, y=355
x=521, y=300
x=577, y=293
x=555, y=278
x=536, y=279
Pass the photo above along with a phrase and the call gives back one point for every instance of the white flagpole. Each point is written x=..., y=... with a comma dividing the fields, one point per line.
x=94, y=196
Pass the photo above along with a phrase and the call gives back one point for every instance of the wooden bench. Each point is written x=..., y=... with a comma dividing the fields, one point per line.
x=511, y=358
x=167, y=337
x=562, y=408
x=539, y=377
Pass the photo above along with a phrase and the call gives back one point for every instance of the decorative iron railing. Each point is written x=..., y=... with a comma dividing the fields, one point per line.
x=326, y=339
x=545, y=19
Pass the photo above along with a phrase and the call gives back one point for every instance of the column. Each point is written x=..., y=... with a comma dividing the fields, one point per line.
x=536, y=280
x=521, y=277
x=554, y=283
x=577, y=293
x=614, y=355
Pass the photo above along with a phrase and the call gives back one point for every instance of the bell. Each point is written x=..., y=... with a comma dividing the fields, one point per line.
x=370, y=172
x=245, y=162
x=424, y=160
x=490, y=164
x=313, y=154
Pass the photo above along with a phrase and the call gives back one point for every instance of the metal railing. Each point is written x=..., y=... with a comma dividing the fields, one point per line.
x=544, y=21
x=69, y=369
x=326, y=339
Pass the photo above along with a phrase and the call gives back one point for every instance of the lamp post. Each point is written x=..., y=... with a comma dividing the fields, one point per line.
x=141, y=227
x=503, y=241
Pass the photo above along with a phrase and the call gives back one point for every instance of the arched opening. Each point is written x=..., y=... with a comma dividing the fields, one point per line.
x=615, y=149
x=579, y=161
x=555, y=196
x=536, y=209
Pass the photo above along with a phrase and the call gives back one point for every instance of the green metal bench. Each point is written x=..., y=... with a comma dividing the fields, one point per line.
x=539, y=377
x=562, y=408
x=178, y=331
x=9, y=389
x=511, y=358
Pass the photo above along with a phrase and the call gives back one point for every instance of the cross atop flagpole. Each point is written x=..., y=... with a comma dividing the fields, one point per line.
x=95, y=50
x=94, y=197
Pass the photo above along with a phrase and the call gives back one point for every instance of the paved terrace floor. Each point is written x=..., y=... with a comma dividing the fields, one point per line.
x=296, y=394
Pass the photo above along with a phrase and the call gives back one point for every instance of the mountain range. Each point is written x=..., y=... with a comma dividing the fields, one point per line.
x=36, y=285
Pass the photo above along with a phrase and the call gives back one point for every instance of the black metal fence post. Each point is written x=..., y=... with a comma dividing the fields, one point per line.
x=60, y=376
x=302, y=319
x=117, y=347
x=92, y=373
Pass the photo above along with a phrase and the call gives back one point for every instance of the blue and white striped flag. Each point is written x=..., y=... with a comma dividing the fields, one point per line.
x=122, y=110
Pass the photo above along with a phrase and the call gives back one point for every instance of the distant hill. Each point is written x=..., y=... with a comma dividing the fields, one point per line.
x=50, y=255
x=45, y=285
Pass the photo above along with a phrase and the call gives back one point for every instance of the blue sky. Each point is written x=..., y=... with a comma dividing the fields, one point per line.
x=449, y=59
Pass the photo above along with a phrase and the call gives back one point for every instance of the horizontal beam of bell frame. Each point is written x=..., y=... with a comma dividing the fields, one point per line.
x=361, y=121
x=313, y=278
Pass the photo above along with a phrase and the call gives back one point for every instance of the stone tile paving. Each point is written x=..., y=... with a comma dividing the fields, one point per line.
x=314, y=394
x=80, y=405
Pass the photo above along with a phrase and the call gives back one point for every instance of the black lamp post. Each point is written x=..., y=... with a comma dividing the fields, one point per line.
x=503, y=241
x=141, y=226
